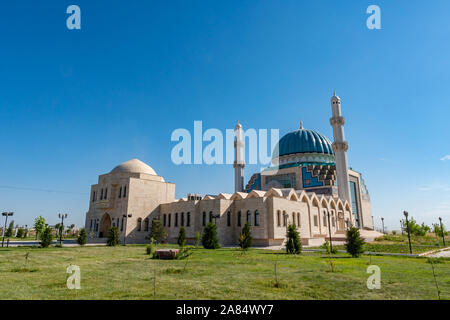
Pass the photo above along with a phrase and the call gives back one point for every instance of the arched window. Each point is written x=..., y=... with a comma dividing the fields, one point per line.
x=324, y=219
x=228, y=218
x=146, y=224
x=139, y=224
x=257, y=218
x=93, y=196
x=124, y=191
x=170, y=218
x=210, y=216
x=239, y=219
x=284, y=218
x=120, y=192
x=278, y=218
x=176, y=219
x=101, y=194
x=293, y=218
x=298, y=219
x=188, y=219
x=121, y=226
x=182, y=219
x=249, y=218
x=106, y=194
x=164, y=219
x=204, y=219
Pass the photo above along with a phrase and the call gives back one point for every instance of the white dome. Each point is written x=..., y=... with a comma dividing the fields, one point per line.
x=134, y=166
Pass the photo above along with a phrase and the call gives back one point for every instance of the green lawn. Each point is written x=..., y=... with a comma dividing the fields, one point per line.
x=128, y=273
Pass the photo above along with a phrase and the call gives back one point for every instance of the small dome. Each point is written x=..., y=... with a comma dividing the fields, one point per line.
x=134, y=166
x=304, y=141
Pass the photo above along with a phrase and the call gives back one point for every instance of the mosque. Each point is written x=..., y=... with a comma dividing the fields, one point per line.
x=309, y=185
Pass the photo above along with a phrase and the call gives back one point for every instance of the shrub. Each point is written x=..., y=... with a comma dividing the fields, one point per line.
x=209, y=238
x=157, y=231
x=113, y=237
x=394, y=232
x=46, y=237
x=151, y=250
x=82, y=237
x=354, y=243
x=245, y=240
x=182, y=237
x=293, y=243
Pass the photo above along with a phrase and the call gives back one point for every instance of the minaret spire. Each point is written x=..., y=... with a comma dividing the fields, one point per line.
x=239, y=162
x=340, y=147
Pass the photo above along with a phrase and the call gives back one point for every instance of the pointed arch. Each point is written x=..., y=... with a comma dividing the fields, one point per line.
x=224, y=196
x=208, y=197
x=239, y=196
x=274, y=192
x=256, y=194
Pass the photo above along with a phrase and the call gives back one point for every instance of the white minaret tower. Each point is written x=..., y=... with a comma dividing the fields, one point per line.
x=340, y=147
x=239, y=161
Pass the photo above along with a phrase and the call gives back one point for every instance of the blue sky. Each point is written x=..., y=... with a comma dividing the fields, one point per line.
x=75, y=103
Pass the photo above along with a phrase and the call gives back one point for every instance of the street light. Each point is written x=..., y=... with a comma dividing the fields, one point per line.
x=125, y=230
x=61, y=227
x=442, y=230
x=6, y=215
x=407, y=228
x=382, y=222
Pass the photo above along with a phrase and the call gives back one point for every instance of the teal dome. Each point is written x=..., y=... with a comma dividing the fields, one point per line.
x=304, y=141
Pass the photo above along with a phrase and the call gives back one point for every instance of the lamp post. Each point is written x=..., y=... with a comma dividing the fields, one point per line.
x=401, y=226
x=61, y=227
x=382, y=222
x=125, y=229
x=407, y=228
x=329, y=230
x=6, y=215
x=442, y=230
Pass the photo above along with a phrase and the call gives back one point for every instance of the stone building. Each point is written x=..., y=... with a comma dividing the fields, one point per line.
x=309, y=185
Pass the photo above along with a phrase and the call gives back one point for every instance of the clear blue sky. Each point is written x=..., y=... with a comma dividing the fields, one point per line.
x=74, y=104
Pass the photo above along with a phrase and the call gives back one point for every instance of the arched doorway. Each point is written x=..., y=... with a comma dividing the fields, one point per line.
x=105, y=226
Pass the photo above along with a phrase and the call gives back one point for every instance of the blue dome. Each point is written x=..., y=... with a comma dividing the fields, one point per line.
x=304, y=141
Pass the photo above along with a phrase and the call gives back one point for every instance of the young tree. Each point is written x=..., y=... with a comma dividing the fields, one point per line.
x=82, y=237
x=293, y=242
x=46, y=237
x=157, y=230
x=198, y=237
x=354, y=243
x=245, y=240
x=19, y=233
x=113, y=237
x=440, y=232
x=182, y=237
x=209, y=239
x=9, y=230
x=39, y=226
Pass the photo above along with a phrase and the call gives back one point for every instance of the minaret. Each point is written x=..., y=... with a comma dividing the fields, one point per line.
x=239, y=162
x=340, y=147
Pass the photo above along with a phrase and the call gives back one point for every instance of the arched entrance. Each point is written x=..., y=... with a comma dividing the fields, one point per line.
x=105, y=226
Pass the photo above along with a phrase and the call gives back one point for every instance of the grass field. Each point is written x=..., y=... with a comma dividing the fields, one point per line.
x=128, y=273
